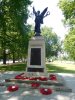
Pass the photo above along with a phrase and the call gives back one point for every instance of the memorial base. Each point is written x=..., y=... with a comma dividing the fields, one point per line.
x=35, y=69
x=36, y=55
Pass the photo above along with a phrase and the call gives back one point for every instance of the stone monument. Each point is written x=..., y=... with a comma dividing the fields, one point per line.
x=36, y=47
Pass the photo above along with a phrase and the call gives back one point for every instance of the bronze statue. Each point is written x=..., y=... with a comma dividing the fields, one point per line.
x=39, y=19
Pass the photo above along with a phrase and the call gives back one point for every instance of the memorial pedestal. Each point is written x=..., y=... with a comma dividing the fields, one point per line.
x=36, y=55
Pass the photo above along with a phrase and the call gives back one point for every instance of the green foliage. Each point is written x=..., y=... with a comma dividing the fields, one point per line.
x=69, y=44
x=68, y=9
x=52, y=42
x=19, y=13
x=13, y=27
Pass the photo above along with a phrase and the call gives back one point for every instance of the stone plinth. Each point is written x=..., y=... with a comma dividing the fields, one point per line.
x=36, y=55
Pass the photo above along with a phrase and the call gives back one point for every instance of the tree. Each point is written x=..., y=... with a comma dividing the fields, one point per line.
x=68, y=9
x=52, y=42
x=13, y=25
x=3, y=28
x=19, y=14
x=69, y=44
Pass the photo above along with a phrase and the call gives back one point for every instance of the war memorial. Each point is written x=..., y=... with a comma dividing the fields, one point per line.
x=36, y=75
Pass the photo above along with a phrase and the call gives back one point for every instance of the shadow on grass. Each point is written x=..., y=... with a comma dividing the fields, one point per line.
x=13, y=67
x=58, y=69
x=22, y=67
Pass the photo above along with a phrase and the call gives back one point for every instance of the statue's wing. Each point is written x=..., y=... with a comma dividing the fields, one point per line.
x=43, y=12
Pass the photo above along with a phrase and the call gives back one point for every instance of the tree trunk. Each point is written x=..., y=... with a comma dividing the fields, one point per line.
x=4, y=57
x=13, y=57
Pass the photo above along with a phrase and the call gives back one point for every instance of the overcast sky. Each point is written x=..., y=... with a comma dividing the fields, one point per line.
x=54, y=20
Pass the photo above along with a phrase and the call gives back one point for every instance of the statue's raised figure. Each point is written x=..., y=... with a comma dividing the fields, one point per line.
x=39, y=19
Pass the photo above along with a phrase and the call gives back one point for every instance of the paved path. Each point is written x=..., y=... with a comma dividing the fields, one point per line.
x=28, y=94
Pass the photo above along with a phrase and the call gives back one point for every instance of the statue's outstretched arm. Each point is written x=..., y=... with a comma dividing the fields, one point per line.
x=34, y=11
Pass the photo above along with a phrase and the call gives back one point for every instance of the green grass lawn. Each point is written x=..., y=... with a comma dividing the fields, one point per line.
x=13, y=67
x=53, y=67
x=60, y=67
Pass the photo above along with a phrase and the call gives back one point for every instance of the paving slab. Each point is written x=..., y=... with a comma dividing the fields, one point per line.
x=34, y=94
